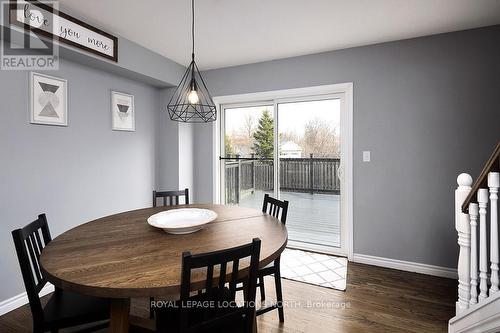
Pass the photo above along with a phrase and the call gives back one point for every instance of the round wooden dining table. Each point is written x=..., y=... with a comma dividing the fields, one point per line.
x=122, y=257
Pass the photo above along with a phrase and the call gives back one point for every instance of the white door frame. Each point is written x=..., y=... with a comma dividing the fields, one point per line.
x=343, y=91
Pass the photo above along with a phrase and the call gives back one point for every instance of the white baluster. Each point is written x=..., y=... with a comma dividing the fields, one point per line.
x=493, y=184
x=482, y=199
x=473, y=213
x=462, y=225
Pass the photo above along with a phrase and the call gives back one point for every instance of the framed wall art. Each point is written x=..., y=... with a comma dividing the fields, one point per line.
x=48, y=100
x=122, y=111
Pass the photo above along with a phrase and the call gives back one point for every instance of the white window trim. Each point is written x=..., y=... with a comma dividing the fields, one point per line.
x=273, y=97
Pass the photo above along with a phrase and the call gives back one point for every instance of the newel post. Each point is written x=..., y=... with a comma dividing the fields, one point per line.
x=462, y=225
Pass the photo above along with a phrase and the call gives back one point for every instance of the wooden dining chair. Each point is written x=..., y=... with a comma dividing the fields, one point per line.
x=171, y=198
x=278, y=209
x=223, y=314
x=63, y=309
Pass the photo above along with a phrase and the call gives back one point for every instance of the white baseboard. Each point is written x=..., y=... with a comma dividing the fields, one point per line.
x=406, y=266
x=21, y=299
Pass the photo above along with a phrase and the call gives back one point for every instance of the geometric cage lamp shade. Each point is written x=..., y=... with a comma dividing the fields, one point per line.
x=191, y=102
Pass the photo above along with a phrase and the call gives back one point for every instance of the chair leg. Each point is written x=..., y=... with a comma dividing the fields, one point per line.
x=262, y=288
x=279, y=293
x=38, y=327
x=151, y=311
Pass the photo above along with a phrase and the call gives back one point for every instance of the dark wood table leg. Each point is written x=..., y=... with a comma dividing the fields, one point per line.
x=119, y=316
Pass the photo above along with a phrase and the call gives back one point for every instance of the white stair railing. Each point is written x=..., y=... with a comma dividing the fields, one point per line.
x=462, y=225
x=476, y=222
x=494, y=184
x=470, y=244
x=474, y=213
x=482, y=199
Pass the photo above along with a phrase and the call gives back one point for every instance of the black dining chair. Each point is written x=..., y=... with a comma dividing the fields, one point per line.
x=222, y=314
x=171, y=198
x=64, y=309
x=278, y=209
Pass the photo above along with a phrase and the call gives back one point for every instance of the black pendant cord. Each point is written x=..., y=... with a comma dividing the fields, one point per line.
x=192, y=27
x=192, y=49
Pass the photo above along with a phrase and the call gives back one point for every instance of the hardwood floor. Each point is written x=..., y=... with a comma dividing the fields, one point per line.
x=376, y=300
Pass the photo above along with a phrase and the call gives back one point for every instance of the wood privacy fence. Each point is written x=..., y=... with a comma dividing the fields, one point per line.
x=309, y=175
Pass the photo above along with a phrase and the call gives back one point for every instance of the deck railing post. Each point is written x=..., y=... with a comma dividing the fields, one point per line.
x=462, y=225
x=253, y=173
x=227, y=180
x=238, y=180
x=311, y=173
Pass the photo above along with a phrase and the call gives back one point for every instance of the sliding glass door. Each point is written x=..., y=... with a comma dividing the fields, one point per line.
x=291, y=149
x=309, y=161
x=248, y=159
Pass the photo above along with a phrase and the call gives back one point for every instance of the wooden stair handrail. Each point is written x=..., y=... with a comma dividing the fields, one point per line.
x=492, y=165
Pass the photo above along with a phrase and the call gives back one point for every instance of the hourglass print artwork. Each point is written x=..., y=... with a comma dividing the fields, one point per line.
x=123, y=111
x=48, y=100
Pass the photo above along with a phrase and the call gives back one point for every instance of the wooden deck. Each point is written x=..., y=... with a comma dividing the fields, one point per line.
x=312, y=218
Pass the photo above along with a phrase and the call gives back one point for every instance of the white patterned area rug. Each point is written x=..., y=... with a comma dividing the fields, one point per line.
x=314, y=268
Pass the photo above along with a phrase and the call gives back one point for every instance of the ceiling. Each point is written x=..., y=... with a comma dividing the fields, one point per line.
x=235, y=32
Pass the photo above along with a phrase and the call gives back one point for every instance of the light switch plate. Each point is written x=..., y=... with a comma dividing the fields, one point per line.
x=366, y=156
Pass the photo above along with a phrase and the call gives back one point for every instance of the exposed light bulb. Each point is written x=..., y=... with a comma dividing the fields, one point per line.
x=193, y=97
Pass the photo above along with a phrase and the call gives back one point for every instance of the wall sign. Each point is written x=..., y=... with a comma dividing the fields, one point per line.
x=49, y=22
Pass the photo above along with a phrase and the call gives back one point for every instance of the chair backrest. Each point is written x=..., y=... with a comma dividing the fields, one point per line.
x=215, y=290
x=274, y=207
x=171, y=198
x=29, y=242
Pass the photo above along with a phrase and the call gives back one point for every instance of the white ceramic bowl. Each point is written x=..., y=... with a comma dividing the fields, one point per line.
x=183, y=220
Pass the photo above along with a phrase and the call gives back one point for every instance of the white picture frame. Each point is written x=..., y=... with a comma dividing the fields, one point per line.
x=122, y=111
x=48, y=100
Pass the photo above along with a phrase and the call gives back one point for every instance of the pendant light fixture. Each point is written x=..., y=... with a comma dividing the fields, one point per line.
x=191, y=102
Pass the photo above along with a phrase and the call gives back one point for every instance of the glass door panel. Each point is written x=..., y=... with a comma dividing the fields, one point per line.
x=289, y=149
x=248, y=158
x=309, y=161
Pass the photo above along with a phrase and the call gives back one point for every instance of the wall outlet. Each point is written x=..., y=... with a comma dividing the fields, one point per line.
x=366, y=156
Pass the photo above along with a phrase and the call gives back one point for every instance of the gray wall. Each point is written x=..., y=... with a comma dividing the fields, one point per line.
x=175, y=151
x=77, y=173
x=168, y=147
x=427, y=108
